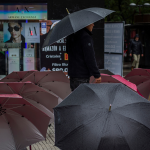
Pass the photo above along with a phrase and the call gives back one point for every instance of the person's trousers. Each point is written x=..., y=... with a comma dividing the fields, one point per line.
x=75, y=82
x=136, y=60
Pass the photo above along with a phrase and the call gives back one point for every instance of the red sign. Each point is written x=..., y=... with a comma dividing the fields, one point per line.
x=66, y=56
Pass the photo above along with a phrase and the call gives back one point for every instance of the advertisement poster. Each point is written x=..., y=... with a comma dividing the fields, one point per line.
x=54, y=57
x=13, y=60
x=23, y=12
x=14, y=32
x=28, y=59
x=32, y=33
x=18, y=32
x=43, y=27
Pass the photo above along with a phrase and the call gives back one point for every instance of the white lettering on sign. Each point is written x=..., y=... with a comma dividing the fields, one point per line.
x=53, y=56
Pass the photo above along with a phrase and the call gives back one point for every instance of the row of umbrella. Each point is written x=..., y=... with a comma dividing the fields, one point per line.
x=27, y=99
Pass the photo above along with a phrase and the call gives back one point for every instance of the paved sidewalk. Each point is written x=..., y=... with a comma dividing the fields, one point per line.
x=49, y=143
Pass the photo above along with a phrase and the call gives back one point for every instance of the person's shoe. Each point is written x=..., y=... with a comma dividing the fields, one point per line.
x=132, y=68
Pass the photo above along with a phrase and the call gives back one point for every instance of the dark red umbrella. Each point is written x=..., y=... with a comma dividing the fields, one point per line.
x=144, y=89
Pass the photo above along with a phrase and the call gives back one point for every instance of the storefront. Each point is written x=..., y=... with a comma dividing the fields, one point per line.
x=23, y=29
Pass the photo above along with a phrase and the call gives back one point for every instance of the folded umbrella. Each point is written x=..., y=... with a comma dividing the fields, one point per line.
x=16, y=76
x=103, y=117
x=75, y=22
x=54, y=81
x=21, y=124
x=43, y=100
x=105, y=71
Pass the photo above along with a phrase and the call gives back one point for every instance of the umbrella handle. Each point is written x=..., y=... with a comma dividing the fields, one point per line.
x=68, y=11
x=30, y=147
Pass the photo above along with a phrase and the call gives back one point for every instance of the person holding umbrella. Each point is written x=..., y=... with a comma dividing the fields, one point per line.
x=82, y=63
x=136, y=49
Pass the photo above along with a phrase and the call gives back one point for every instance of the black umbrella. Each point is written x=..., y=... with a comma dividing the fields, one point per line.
x=74, y=22
x=105, y=71
x=103, y=117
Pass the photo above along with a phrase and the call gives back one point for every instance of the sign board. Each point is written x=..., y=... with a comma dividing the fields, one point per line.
x=113, y=47
x=113, y=37
x=113, y=62
x=23, y=12
x=54, y=57
x=43, y=28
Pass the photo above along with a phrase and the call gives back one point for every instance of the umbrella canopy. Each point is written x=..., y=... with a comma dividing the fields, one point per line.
x=43, y=100
x=54, y=81
x=144, y=89
x=138, y=76
x=74, y=22
x=21, y=124
x=116, y=79
x=103, y=117
x=16, y=76
x=139, y=71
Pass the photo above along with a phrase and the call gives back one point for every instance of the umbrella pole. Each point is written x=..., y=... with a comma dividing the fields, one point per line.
x=30, y=147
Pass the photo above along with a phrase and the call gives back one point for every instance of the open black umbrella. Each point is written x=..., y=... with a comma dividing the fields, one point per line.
x=103, y=117
x=74, y=22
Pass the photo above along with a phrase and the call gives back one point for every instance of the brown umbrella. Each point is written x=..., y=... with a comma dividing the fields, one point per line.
x=21, y=123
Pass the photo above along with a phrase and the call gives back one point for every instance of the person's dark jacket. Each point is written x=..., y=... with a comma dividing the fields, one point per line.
x=11, y=40
x=82, y=63
x=135, y=47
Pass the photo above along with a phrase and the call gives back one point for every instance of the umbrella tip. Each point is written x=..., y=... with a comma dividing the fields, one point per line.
x=67, y=11
x=110, y=107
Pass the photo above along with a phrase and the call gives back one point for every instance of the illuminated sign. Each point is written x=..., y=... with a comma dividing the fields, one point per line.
x=23, y=12
x=66, y=56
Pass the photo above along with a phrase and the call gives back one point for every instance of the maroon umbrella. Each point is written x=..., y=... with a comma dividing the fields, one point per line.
x=17, y=76
x=144, y=89
x=21, y=123
x=139, y=71
x=54, y=81
x=138, y=76
x=43, y=100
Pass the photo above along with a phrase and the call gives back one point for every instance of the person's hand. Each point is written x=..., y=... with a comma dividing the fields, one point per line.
x=130, y=54
x=98, y=80
x=142, y=55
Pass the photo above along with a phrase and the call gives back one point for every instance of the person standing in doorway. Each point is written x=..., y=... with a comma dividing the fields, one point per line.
x=136, y=49
x=82, y=62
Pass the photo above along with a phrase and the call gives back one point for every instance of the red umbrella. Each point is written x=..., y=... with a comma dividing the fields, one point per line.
x=21, y=124
x=17, y=76
x=37, y=96
x=55, y=81
x=144, y=89
x=116, y=79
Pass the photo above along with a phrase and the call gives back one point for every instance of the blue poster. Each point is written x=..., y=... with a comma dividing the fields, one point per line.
x=43, y=28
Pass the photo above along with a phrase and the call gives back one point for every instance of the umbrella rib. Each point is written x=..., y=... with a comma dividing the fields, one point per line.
x=22, y=88
x=14, y=107
x=134, y=120
x=42, y=78
x=11, y=89
x=10, y=130
x=120, y=129
x=5, y=101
